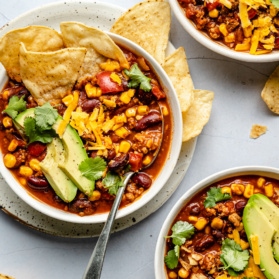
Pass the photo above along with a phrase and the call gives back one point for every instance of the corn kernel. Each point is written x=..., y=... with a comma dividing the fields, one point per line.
x=110, y=65
x=9, y=160
x=236, y=236
x=121, y=118
x=226, y=190
x=230, y=38
x=109, y=103
x=131, y=112
x=244, y=245
x=108, y=125
x=260, y=182
x=5, y=94
x=117, y=126
x=207, y=230
x=213, y=13
x=142, y=110
x=35, y=165
x=269, y=190
x=249, y=191
x=7, y=122
x=92, y=91
x=22, y=181
x=96, y=195
x=192, y=218
x=67, y=100
x=122, y=132
x=165, y=110
x=201, y=223
x=25, y=171
x=124, y=146
x=172, y=275
x=223, y=29
x=217, y=223
x=183, y=273
x=13, y=145
x=147, y=160
x=237, y=188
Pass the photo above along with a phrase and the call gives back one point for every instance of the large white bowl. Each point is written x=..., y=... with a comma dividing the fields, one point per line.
x=161, y=179
x=215, y=46
x=159, y=265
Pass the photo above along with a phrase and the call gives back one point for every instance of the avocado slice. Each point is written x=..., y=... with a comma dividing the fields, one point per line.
x=256, y=223
x=59, y=181
x=74, y=151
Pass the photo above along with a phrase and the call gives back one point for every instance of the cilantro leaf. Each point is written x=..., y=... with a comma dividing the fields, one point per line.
x=137, y=78
x=15, y=106
x=233, y=257
x=35, y=134
x=45, y=116
x=112, y=182
x=215, y=195
x=275, y=3
x=93, y=168
x=181, y=231
x=171, y=259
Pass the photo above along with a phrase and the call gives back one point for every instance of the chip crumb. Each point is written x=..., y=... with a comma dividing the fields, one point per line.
x=2, y=276
x=257, y=130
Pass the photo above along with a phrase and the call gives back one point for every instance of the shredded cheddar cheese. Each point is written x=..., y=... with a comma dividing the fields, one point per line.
x=255, y=248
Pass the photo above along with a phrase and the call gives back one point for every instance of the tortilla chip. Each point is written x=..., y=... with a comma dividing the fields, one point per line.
x=100, y=46
x=35, y=38
x=257, y=130
x=176, y=67
x=198, y=114
x=49, y=76
x=270, y=92
x=2, y=276
x=153, y=16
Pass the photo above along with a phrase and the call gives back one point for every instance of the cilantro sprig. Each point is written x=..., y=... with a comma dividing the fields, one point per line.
x=234, y=259
x=93, y=168
x=215, y=195
x=138, y=79
x=275, y=3
x=112, y=182
x=181, y=231
x=39, y=127
x=15, y=106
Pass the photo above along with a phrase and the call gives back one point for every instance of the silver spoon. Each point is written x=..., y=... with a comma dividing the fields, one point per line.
x=95, y=264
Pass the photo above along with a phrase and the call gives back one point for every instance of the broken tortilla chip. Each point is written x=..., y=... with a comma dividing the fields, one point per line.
x=257, y=130
x=176, y=67
x=49, y=76
x=270, y=92
x=99, y=45
x=2, y=276
x=35, y=38
x=197, y=115
x=154, y=16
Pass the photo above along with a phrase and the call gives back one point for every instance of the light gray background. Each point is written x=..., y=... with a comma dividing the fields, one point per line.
x=224, y=143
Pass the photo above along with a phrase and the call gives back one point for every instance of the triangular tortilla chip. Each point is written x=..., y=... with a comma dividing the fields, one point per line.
x=270, y=92
x=153, y=16
x=49, y=76
x=35, y=38
x=176, y=67
x=197, y=115
x=100, y=46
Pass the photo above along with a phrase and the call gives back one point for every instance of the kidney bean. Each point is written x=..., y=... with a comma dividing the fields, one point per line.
x=90, y=104
x=111, y=154
x=82, y=205
x=145, y=97
x=18, y=91
x=204, y=242
x=194, y=208
x=118, y=162
x=37, y=183
x=218, y=235
x=152, y=118
x=239, y=206
x=36, y=148
x=142, y=179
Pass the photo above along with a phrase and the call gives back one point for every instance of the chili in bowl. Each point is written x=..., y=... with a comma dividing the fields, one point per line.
x=131, y=131
x=223, y=227
x=241, y=30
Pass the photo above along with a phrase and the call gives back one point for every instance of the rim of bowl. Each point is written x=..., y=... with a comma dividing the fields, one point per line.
x=159, y=265
x=160, y=180
x=202, y=38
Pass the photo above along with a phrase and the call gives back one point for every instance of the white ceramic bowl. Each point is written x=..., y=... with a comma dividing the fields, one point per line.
x=159, y=265
x=160, y=180
x=219, y=48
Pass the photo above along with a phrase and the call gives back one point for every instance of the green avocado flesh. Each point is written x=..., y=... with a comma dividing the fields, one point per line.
x=73, y=154
x=261, y=218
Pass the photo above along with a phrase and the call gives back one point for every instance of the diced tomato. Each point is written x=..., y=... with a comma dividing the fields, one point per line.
x=212, y=6
x=252, y=13
x=157, y=92
x=36, y=148
x=135, y=161
x=106, y=84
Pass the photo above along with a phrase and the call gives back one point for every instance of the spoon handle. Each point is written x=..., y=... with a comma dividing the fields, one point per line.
x=95, y=264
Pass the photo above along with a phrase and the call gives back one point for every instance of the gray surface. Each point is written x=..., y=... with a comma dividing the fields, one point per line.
x=224, y=143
